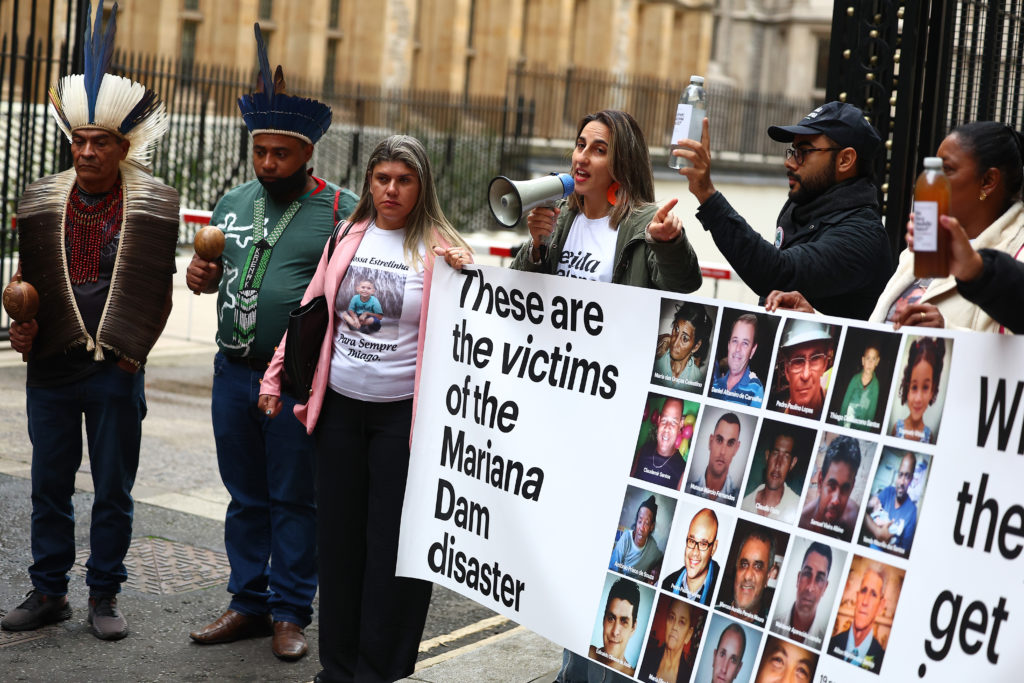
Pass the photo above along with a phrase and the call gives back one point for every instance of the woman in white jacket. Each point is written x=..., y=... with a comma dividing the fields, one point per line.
x=984, y=162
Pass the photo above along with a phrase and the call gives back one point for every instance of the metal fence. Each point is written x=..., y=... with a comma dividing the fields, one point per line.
x=920, y=69
x=738, y=118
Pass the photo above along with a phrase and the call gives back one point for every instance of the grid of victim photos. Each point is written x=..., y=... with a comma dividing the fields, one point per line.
x=779, y=475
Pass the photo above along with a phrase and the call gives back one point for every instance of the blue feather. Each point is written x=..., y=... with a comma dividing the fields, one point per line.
x=98, y=52
x=261, y=54
x=269, y=110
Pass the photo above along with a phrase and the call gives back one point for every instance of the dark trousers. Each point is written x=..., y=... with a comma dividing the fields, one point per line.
x=113, y=404
x=270, y=528
x=370, y=620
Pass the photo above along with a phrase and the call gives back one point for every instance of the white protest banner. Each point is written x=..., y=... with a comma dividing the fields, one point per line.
x=652, y=479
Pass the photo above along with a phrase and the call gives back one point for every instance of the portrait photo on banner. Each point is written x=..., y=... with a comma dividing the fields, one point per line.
x=837, y=484
x=623, y=613
x=719, y=454
x=742, y=358
x=893, y=510
x=778, y=468
x=371, y=302
x=674, y=639
x=663, y=440
x=729, y=652
x=860, y=634
x=803, y=367
x=696, y=552
x=683, y=345
x=642, y=534
x=808, y=591
x=784, y=662
x=863, y=379
x=919, y=388
x=751, y=572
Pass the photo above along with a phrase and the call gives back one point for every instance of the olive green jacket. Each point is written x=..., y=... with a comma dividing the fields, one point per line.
x=639, y=260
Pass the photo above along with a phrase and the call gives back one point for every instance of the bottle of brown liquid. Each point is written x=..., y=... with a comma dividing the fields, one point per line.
x=931, y=200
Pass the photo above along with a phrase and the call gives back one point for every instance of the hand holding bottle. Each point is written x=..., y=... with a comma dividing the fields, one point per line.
x=699, y=172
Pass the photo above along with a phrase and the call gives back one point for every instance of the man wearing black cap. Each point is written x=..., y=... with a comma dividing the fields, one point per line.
x=830, y=244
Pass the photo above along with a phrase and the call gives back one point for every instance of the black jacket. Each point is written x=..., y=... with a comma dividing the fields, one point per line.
x=833, y=250
x=999, y=291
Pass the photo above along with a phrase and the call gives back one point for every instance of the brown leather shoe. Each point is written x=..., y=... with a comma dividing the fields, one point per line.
x=232, y=626
x=289, y=641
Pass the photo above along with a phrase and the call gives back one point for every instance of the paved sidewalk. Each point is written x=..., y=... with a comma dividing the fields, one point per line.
x=178, y=574
x=177, y=568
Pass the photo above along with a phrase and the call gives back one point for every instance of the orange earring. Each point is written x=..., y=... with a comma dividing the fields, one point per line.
x=983, y=196
x=612, y=189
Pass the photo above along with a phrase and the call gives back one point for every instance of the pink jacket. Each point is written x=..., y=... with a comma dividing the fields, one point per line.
x=326, y=281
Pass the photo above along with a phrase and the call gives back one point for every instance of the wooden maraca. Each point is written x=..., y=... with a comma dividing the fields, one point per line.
x=21, y=301
x=209, y=243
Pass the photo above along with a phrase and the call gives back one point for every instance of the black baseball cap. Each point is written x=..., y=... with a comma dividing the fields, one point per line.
x=843, y=123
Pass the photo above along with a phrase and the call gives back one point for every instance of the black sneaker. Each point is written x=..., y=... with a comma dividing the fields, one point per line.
x=106, y=620
x=38, y=610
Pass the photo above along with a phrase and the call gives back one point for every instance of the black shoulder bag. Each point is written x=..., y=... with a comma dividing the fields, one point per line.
x=307, y=327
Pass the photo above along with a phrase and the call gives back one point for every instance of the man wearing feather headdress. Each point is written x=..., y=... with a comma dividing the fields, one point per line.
x=97, y=241
x=275, y=230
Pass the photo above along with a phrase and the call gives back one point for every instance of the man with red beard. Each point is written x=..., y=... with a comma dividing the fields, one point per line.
x=830, y=244
x=832, y=512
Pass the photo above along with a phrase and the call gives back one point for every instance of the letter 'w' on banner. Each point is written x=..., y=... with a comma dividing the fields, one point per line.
x=631, y=473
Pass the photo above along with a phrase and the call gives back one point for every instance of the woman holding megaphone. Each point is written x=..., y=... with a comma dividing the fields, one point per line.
x=610, y=229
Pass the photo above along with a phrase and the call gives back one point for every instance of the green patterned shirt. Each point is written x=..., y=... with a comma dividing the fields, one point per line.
x=293, y=260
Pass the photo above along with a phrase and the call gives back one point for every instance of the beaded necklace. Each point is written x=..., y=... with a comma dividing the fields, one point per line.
x=90, y=228
x=258, y=259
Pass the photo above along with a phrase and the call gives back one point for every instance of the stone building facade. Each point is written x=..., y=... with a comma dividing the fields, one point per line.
x=459, y=46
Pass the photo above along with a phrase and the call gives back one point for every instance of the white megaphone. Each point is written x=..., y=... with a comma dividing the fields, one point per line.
x=510, y=199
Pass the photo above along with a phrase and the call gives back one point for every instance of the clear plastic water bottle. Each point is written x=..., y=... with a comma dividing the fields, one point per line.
x=690, y=113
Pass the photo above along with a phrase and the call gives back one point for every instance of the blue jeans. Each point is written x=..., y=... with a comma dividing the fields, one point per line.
x=114, y=403
x=270, y=529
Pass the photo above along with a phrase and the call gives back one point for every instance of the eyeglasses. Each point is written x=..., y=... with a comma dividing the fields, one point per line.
x=798, y=154
x=692, y=543
x=816, y=362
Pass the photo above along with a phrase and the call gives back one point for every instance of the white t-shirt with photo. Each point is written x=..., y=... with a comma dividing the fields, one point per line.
x=589, y=251
x=374, y=357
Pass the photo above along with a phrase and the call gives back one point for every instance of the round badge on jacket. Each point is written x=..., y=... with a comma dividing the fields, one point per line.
x=778, y=236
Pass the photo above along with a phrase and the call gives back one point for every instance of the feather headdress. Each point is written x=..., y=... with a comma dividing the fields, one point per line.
x=271, y=110
x=97, y=99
